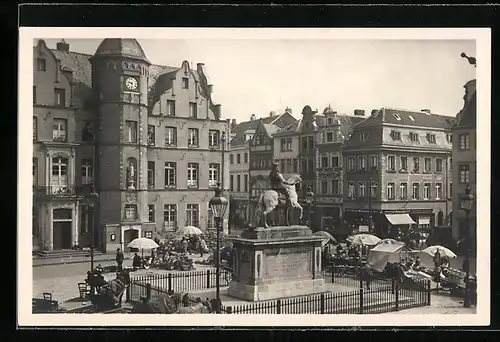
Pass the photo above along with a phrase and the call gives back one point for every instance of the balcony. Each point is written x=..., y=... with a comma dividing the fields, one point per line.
x=59, y=191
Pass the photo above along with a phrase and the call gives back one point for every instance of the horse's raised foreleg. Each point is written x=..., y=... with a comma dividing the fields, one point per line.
x=264, y=216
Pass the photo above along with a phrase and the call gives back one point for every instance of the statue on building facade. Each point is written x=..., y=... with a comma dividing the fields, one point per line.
x=281, y=195
x=131, y=176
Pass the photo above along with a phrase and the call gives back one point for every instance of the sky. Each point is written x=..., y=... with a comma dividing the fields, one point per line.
x=258, y=76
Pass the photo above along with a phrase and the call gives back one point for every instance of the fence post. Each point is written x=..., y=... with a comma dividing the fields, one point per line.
x=208, y=279
x=360, y=277
x=229, y=310
x=333, y=274
x=397, y=297
x=127, y=293
x=148, y=291
x=278, y=306
x=361, y=304
x=393, y=284
x=428, y=292
x=169, y=282
x=322, y=303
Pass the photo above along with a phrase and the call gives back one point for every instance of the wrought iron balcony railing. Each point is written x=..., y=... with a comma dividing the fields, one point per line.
x=62, y=190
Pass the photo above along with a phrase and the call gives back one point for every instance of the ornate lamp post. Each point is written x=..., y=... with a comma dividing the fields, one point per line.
x=92, y=201
x=309, y=201
x=466, y=204
x=218, y=205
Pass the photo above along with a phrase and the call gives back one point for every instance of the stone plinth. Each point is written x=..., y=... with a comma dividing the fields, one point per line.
x=276, y=262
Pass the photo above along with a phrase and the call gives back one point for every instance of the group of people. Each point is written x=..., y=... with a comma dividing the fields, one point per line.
x=194, y=244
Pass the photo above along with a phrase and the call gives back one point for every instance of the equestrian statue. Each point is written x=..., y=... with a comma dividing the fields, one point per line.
x=281, y=195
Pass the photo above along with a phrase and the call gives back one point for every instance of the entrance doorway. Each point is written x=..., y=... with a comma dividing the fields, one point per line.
x=128, y=236
x=61, y=229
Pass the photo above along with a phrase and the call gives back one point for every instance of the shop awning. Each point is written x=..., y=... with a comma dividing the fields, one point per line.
x=398, y=219
x=424, y=220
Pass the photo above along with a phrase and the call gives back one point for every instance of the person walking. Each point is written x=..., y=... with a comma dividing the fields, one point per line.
x=203, y=246
x=119, y=259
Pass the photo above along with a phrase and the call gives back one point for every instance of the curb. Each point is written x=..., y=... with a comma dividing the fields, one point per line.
x=71, y=262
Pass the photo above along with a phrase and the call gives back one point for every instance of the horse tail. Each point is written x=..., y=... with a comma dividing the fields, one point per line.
x=259, y=208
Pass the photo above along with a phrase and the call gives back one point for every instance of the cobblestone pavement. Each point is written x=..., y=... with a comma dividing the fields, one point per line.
x=440, y=304
x=62, y=280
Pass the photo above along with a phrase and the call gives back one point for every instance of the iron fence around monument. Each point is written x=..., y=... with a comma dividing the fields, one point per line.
x=351, y=276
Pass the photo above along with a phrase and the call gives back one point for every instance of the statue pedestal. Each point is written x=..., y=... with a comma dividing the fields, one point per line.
x=276, y=262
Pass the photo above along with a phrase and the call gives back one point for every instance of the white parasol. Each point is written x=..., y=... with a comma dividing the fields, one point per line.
x=190, y=230
x=142, y=244
x=443, y=251
x=327, y=237
x=365, y=239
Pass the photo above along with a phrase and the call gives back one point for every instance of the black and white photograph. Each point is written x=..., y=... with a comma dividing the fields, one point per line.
x=302, y=176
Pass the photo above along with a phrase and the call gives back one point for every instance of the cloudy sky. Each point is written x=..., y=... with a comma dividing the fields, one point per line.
x=259, y=76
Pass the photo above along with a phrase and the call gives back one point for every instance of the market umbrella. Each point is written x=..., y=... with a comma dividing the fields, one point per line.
x=142, y=244
x=365, y=239
x=327, y=237
x=443, y=251
x=390, y=242
x=190, y=230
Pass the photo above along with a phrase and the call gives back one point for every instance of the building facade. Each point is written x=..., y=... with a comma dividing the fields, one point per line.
x=147, y=137
x=401, y=159
x=464, y=163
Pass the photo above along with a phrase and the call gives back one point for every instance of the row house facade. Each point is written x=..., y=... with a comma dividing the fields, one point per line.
x=402, y=160
x=464, y=163
x=147, y=138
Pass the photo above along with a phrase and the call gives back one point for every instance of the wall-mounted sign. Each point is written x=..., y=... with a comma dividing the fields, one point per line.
x=363, y=229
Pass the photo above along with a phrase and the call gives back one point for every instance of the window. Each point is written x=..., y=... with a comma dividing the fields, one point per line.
x=439, y=165
x=431, y=138
x=59, y=172
x=391, y=163
x=171, y=107
x=324, y=160
x=304, y=165
x=404, y=164
x=362, y=163
x=329, y=136
x=415, y=191
x=84, y=219
x=213, y=138
x=193, y=110
x=87, y=171
x=411, y=118
x=427, y=165
x=335, y=187
x=464, y=142
x=35, y=128
x=60, y=97
x=374, y=192
x=351, y=190
x=286, y=144
x=238, y=159
x=416, y=164
x=170, y=174
x=59, y=130
x=41, y=64
x=335, y=161
x=148, y=234
x=170, y=136
x=362, y=190
x=396, y=135
x=193, y=137
x=295, y=165
x=451, y=190
x=351, y=164
x=282, y=165
x=324, y=187
x=130, y=212
x=213, y=174
x=238, y=182
x=231, y=159
x=131, y=131
x=35, y=171
x=170, y=216
x=464, y=173
x=363, y=136
x=288, y=167
x=451, y=163
x=245, y=179
x=192, y=175
x=192, y=215
x=373, y=162
x=185, y=83
x=151, y=213
x=151, y=174
x=439, y=191
x=397, y=116
x=427, y=190
x=34, y=94
x=414, y=137
x=245, y=158
x=403, y=191
x=151, y=135
x=231, y=183
x=390, y=191
x=210, y=219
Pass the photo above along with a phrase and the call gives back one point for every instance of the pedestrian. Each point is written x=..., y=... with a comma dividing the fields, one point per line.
x=185, y=245
x=137, y=261
x=203, y=246
x=119, y=259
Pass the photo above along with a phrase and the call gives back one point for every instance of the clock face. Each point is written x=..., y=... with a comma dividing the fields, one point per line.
x=131, y=83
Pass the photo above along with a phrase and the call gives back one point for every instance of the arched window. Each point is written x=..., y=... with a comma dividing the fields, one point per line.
x=440, y=218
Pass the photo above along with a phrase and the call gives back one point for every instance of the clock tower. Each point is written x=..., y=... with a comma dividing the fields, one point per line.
x=120, y=73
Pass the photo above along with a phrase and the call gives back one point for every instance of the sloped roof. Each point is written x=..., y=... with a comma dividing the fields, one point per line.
x=241, y=128
x=76, y=62
x=346, y=122
x=466, y=118
x=404, y=117
x=127, y=47
x=270, y=129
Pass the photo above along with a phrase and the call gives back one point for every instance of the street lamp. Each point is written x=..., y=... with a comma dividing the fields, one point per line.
x=309, y=201
x=218, y=205
x=92, y=200
x=466, y=204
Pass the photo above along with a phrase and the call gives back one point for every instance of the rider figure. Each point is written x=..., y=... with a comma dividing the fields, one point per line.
x=278, y=182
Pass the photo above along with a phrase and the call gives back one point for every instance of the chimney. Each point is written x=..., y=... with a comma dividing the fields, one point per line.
x=272, y=113
x=252, y=117
x=62, y=46
x=200, y=67
x=210, y=88
x=373, y=111
x=288, y=110
x=218, y=111
x=233, y=124
x=359, y=112
x=426, y=111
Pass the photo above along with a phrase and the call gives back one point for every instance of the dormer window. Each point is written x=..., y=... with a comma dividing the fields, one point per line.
x=431, y=138
x=329, y=121
x=396, y=135
x=363, y=136
x=397, y=116
x=411, y=118
x=41, y=64
x=414, y=137
x=185, y=83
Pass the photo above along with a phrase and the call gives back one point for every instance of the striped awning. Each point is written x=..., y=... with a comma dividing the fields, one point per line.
x=399, y=219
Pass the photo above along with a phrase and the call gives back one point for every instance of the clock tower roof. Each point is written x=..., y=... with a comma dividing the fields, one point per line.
x=121, y=47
